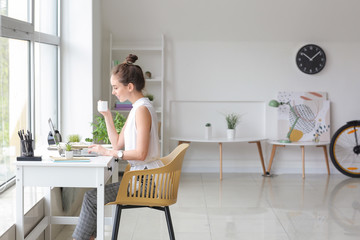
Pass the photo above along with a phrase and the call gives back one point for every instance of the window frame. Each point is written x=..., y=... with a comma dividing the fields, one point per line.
x=16, y=29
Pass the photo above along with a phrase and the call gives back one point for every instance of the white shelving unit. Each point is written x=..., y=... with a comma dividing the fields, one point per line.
x=151, y=58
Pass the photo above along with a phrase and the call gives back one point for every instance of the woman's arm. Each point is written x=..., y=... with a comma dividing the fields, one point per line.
x=117, y=140
x=143, y=127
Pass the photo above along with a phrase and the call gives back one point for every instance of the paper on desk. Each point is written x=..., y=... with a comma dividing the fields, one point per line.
x=74, y=159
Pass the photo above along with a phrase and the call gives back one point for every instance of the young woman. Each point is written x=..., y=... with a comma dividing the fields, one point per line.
x=138, y=142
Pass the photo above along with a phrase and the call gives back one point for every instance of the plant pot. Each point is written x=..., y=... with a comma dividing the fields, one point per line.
x=69, y=154
x=208, y=132
x=230, y=133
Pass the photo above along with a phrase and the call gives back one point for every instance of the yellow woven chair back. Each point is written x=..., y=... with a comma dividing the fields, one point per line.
x=153, y=187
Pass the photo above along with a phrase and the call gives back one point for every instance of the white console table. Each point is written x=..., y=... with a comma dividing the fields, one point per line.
x=220, y=141
x=302, y=145
x=46, y=173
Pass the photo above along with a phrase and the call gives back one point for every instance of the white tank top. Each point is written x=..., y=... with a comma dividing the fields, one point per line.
x=152, y=158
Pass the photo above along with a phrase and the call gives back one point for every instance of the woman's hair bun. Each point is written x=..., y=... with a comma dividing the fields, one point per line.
x=131, y=58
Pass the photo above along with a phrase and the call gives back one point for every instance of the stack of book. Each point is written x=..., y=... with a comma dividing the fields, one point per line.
x=123, y=105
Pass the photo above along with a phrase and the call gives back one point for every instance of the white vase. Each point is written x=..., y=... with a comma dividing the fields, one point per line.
x=208, y=132
x=230, y=133
x=69, y=154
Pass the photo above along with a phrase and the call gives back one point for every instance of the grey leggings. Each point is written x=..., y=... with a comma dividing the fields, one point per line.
x=86, y=226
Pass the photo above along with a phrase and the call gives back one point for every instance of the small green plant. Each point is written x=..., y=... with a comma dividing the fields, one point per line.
x=232, y=120
x=208, y=125
x=88, y=139
x=68, y=147
x=150, y=97
x=100, y=131
x=74, y=138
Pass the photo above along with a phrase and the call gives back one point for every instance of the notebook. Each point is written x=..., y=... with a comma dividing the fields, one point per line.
x=74, y=159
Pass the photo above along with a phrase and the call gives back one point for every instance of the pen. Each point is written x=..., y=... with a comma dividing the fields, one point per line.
x=20, y=135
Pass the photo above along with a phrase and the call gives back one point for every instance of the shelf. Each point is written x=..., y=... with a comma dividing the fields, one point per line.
x=153, y=80
x=136, y=48
x=120, y=110
x=151, y=59
x=158, y=110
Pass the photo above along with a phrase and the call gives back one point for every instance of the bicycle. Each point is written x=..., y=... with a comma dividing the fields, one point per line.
x=345, y=149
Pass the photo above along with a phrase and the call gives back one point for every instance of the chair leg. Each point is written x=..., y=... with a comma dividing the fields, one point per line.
x=169, y=223
x=116, y=222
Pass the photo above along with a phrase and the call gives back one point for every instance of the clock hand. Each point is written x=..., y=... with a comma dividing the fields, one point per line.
x=314, y=56
x=305, y=55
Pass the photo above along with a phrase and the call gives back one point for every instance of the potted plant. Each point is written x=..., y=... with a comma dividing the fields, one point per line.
x=150, y=97
x=74, y=138
x=207, y=130
x=100, y=132
x=232, y=121
x=68, y=151
x=148, y=75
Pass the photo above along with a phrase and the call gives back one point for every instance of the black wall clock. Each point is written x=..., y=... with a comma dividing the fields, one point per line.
x=310, y=59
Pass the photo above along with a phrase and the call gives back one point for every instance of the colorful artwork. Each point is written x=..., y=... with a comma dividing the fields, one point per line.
x=310, y=111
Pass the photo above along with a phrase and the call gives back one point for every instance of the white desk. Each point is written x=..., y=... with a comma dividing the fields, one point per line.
x=302, y=146
x=220, y=141
x=46, y=173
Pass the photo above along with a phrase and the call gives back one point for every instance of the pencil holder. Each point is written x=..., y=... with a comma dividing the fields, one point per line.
x=27, y=148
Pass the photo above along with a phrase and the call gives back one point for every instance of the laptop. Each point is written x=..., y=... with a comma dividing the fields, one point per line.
x=54, y=135
x=57, y=139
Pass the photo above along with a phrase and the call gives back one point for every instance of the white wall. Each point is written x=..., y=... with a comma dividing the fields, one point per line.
x=97, y=46
x=245, y=51
x=80, y=65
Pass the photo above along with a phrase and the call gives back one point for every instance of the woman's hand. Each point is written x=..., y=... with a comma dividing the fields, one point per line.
x=98, y=149
x=105, y=113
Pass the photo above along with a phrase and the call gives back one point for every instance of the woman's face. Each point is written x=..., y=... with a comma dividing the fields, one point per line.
x=118, y=89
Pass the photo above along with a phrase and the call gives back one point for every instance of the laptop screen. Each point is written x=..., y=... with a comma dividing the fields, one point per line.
x=52, y=129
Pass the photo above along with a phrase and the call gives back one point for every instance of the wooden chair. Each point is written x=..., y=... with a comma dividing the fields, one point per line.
x=154, y=188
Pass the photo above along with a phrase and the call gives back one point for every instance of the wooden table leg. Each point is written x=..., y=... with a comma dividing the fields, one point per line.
x=220, y=146
x=271, y=159
x=326, y=158
x=258, y=143
x=303, y=160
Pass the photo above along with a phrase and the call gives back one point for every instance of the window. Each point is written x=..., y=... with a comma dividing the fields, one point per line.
x=45, y=90
x=28, y=75
x=14, y=89
x=46, y=16
x=17, y=9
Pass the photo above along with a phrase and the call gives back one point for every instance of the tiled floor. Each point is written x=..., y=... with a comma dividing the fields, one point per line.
x=249, y=206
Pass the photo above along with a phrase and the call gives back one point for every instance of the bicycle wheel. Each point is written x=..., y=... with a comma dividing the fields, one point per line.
x=345, y=149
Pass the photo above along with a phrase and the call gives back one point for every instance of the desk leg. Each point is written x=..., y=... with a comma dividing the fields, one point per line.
x=220, y=146
x=48, y=213
x=114, y=179
x=303, y=160
x=326, y=158
x=19, y=203
x=261, y=156
x=271, y=159
x=100, y=204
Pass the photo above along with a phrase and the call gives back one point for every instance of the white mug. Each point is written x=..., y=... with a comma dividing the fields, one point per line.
x=102, y=106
